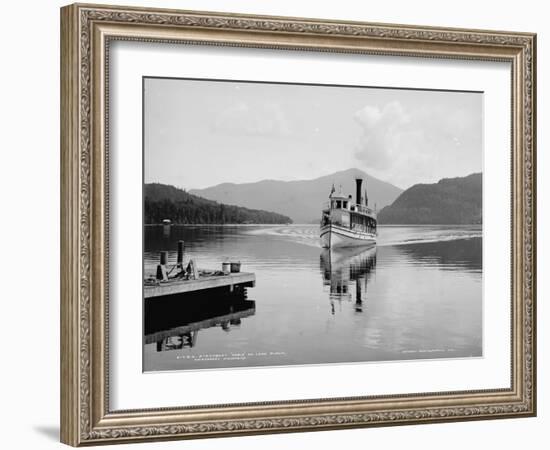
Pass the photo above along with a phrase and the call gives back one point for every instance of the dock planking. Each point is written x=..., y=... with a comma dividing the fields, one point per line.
x=175, y=286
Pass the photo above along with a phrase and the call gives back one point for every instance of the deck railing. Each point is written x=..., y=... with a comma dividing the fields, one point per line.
x=354, y=207
x=364, y=209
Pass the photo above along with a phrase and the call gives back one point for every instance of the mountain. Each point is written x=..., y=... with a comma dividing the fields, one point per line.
x=450, y=201
x=301, y=200
x=168, y=202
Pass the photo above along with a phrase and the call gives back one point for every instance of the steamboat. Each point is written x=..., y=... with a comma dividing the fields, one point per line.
x=345, y=223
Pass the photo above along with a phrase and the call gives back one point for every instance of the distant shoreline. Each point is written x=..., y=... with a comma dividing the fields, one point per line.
x=386, y=225
x=224, y=224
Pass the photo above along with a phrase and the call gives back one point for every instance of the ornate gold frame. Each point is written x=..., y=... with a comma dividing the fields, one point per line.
x=86, y=31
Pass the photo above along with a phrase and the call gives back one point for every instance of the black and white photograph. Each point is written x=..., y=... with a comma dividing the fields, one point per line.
x=295, y=224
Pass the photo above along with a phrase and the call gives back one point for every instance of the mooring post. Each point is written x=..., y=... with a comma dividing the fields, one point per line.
x=181, y=245
x=161, y=268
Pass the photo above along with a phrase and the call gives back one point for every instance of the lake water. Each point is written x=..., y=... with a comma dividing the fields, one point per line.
x=416, y=295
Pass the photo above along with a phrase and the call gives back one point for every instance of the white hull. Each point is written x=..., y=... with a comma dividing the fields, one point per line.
x=334, y=236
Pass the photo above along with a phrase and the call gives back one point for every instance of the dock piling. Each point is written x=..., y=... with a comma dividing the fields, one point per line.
x=181, y=245
x=161, y=268
x=188, y=278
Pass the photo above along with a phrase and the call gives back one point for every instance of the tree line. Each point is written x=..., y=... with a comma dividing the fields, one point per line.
x=450, y=201
x=168, y=202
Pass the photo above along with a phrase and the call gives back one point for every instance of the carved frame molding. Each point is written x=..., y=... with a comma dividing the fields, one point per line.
x=86, y=31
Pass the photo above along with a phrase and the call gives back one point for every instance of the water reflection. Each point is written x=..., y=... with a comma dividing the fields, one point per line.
x=173, y=323
x=347, y=272
x=463, y=254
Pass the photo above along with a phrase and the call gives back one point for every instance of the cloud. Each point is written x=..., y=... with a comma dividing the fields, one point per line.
x=425, y=143
x=243, y=119
x=381, y=132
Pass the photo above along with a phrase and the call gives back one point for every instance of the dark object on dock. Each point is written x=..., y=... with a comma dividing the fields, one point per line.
x=161, y=268
x=163, y=274
x=181, y=246
x=191, y=279
x=191, y=273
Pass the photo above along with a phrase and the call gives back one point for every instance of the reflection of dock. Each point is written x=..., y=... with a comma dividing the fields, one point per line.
x=175, y=286
x=233, y=318
x=173, y=320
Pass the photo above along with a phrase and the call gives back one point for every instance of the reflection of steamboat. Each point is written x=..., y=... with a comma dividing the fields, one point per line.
x=346, y=268
x=348, y=224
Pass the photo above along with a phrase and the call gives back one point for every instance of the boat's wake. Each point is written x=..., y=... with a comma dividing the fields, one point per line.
x=424, y=235
x=428, y=239
x=301, y=234
x=388, y=236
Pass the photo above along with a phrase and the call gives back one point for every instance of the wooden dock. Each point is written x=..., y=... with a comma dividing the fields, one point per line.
x=175, y=286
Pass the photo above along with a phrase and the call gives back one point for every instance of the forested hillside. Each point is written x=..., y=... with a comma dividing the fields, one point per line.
x=450, y=201
x=168, y=202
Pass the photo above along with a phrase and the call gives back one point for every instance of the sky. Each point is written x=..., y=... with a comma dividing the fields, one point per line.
x=202, y=133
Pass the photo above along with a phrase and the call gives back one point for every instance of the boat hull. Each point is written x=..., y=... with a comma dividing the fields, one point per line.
x=334, y=236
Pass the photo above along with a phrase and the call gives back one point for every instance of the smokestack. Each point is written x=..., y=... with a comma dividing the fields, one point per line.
x=358, y=182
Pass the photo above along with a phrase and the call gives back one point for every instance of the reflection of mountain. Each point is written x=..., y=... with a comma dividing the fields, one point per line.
x=300, y=200
x=174, y=322
x=346, y=270
x=450, y=255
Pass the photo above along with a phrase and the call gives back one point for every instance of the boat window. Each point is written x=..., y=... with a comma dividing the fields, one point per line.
x=345, y=205
x=338, y=204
